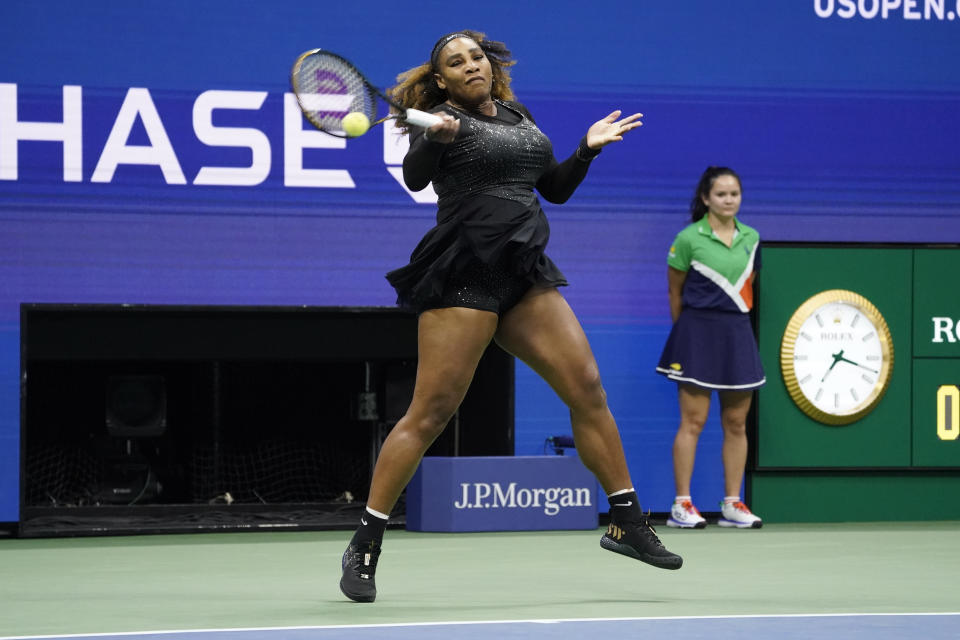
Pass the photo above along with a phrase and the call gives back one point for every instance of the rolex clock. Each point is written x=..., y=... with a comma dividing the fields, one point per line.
x=836, y=357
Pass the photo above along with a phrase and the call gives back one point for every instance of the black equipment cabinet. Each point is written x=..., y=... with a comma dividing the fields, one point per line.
x=163, y=418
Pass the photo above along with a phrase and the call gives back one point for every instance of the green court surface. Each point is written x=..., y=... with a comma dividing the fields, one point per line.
x=289, y=579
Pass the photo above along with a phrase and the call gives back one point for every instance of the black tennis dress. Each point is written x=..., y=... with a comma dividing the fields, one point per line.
x=491, y=231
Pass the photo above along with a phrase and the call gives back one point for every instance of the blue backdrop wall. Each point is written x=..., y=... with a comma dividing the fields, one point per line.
x=150, y=153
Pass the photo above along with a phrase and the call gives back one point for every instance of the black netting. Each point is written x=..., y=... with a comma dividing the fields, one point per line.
x=268, y=472
x=61, y=476
x=278, y=471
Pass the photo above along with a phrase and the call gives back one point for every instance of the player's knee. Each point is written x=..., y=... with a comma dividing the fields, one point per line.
x=434, y=416
x=589, y=392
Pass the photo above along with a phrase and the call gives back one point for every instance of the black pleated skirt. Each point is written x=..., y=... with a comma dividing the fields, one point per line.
x=493, y=230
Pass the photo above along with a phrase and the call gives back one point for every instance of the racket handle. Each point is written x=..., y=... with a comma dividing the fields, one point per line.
x=422, y=118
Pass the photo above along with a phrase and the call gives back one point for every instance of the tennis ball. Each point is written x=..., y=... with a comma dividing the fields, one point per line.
x=355, y=124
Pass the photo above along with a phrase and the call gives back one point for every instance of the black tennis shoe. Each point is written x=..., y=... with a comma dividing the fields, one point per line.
x=359, y=566
x=639, y=540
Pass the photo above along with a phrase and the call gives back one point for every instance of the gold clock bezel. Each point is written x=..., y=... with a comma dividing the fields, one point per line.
x=788, y=345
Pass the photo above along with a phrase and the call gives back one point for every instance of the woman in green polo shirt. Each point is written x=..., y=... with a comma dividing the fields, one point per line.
x=711, y=346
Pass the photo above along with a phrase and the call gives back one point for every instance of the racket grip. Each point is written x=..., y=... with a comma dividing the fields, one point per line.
x=422, y=118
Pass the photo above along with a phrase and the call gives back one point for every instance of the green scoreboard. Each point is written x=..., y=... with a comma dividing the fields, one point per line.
x=861, y=347
x=936, y=359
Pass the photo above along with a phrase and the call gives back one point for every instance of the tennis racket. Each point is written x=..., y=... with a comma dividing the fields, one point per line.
x=328, y=87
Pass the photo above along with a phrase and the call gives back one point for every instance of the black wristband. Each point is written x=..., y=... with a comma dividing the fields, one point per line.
x=585, y=153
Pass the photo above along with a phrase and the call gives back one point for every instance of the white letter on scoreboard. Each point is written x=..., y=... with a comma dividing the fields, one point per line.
x=296, y=139
x=888, y=7
x=823, y=12
x=943, y=327
x=69, y=132
x=116, y=151
x=253, y=139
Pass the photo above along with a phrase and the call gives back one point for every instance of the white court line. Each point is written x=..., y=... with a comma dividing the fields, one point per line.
x=482, y=622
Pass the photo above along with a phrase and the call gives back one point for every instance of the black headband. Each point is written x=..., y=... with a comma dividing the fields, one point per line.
x=441, y=43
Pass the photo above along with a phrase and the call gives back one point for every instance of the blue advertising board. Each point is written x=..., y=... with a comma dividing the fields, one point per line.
x=518, y=493
x=151, y=152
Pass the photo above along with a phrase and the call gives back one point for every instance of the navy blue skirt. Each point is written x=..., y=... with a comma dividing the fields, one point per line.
x=714, y=350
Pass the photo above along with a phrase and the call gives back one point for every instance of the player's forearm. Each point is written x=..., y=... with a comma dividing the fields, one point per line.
x=421, y=162
x=559, y=182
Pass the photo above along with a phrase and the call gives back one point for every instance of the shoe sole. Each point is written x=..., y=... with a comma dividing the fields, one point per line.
x=661, y=563
x=357, y=597
x=740, y=525
x=683, y=525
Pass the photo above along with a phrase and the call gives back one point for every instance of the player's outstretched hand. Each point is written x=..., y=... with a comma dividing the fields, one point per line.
x=610, y=129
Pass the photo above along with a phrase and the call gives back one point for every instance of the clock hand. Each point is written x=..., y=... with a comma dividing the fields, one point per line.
x=827, y=373
x=836, y=358
x=857, y=364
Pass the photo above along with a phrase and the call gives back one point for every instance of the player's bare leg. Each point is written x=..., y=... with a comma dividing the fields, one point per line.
x=543, y=331
x=450, y=344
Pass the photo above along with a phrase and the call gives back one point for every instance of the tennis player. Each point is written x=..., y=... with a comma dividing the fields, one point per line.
x=482, y=274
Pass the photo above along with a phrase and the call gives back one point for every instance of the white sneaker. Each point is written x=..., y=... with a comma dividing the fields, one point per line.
x=686, y=516
x=736, y=514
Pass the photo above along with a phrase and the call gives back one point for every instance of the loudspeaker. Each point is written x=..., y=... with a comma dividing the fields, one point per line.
x=136, y=406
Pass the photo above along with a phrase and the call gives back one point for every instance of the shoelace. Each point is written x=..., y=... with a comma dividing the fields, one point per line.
x=357, y=560
x=687, y=505
x=648, y=532
x=739, y=506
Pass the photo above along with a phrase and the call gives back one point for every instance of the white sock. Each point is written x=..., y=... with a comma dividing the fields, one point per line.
x=680, y=499
x=377, y=514
x=731, y=499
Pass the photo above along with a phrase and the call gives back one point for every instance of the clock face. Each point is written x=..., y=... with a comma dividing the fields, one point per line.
x=836, y=357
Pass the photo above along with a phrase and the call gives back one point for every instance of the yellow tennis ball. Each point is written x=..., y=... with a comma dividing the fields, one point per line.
x=355, y=124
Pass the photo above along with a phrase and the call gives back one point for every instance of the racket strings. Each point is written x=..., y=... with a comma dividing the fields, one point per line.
x=328, y=89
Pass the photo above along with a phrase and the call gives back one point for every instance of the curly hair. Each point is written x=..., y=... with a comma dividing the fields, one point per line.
x=697, y=208
x=417, y=88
